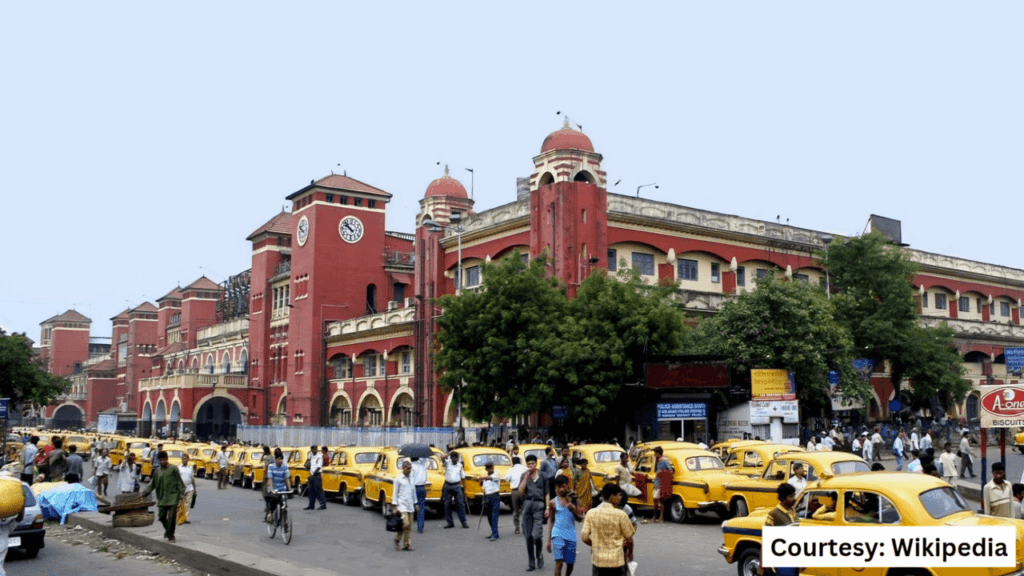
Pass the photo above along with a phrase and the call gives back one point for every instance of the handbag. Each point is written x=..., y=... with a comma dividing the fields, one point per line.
x=393, y=522
x=959, y=454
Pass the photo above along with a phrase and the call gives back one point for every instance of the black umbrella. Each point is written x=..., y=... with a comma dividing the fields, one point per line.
x=416, y=451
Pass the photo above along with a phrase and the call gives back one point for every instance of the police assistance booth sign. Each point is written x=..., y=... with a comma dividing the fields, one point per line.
x=1002, y=406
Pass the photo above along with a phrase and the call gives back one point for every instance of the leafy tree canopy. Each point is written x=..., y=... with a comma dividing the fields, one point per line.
x=784, y=325
x=874, y=300
x=22, y=379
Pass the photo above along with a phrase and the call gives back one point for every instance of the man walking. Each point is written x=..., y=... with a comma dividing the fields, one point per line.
x=454, y=489
x=222, y=468
x=997, y=497
x=562, y=517
x=101, y=468
x=877, y=444
x=57, y=462
x=897, y=449
x=966, y=456
x=169, y=489
x=315, y=484
x=28, y=457
x=419, y=480
x=926, y=441
x=403, y=500
x=534, y=488
x=492, y=499
x=513, y=477
x=606, y=529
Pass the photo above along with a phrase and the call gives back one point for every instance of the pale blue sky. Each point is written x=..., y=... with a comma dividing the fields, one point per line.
x=140, y=142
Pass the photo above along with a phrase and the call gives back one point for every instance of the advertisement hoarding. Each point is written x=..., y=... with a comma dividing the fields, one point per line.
x=763, y=412
x=1002, y=406
x=770, y=384
x=107, y=424
x=1014, y=359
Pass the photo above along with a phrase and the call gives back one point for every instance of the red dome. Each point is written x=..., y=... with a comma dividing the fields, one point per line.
x=446, y=186
x=567, y=139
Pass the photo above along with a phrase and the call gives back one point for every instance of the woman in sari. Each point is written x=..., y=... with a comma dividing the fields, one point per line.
x=584, y=487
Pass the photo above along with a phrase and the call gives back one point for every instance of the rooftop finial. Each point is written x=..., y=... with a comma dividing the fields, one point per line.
x=446, y=170
x=565, y=121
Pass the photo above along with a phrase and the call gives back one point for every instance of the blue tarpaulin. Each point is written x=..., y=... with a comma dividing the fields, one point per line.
x=64, y=500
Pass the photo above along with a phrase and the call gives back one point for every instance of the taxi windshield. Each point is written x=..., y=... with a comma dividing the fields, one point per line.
x=941, y=502
x=849, y=466
x=481, y=460
x=538, y=452
x=174, y=453
x=607, y=456
x=704, y=463
x=431, y=463
x=76, y=438
x=366, y=457
x=137, y=445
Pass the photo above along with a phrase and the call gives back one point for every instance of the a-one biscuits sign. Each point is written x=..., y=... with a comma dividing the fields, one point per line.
x=1004, y=402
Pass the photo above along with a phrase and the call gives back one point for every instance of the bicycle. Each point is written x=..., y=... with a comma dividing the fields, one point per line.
x=281, y=518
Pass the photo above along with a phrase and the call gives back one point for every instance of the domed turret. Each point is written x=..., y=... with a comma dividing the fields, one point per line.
x=567, y=139
x=446, y=186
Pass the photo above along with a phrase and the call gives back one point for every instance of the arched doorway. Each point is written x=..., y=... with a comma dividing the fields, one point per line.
x=217, y=418
x=147, y=420
x=175, y=420
x=341, y=412
x=68, y=416
x=159, y=422
x=371, y=412
x=403, y=411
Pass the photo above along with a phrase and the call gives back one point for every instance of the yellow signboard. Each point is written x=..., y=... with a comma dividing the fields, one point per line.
x=771, y=385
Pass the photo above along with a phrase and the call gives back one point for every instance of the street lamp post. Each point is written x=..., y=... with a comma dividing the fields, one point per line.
x=826, y=240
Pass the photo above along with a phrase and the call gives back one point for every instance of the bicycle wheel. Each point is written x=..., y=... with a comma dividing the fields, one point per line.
x=272, y=525
x=286, y=527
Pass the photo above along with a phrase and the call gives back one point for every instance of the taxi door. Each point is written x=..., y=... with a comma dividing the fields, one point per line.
x=643, y=479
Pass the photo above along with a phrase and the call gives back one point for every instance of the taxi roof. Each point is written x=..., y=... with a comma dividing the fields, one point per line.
x=474, y=450
x=819, y=458
x=598, y=447
x=901, y=487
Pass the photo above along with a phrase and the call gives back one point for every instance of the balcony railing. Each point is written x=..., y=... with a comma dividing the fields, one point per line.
x=976, y=327
x=396, y=258
x=192, y=380
x=240, y=324
x=283, y=267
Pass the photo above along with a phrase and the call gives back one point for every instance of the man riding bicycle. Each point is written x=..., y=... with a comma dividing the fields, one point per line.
x=280, y=481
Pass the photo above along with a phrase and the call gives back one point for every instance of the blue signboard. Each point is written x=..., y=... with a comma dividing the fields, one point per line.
x=3, y=408
x=1014, y=359
x=559, y=412
x=677, y=410
x=895, y=406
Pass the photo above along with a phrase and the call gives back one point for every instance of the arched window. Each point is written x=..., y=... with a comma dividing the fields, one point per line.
x=244, y=362
x=227, y=362
x=972, y=407
x=583, y=176
x=209, y=364
x=371, y=299
x=546, y=179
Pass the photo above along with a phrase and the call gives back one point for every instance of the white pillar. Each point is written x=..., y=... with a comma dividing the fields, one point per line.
x=776, y=429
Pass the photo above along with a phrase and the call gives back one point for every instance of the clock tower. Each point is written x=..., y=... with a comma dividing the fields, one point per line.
x=338, y=224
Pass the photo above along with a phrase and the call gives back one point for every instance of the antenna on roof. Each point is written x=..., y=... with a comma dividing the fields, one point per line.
x=343, y=172
x=567, y=120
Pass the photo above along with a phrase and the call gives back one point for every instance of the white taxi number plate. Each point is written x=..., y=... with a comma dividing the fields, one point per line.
x=14, y=541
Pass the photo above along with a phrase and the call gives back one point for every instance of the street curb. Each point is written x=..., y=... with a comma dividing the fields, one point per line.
x=185, y=556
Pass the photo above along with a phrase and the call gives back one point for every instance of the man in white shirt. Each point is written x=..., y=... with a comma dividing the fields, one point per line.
x=403, y=499
x=856, y=447
x=926, y=441
x=868, y=447
x=828, y=443
x=799, y=478
x=146, y=452
x=315, y=484
x=101, y=469
x=492, y=499
x=897, y=449
x=877, y=444
x=222, y=468
x=948, y=461
x=915, y=440
x=419, y=480
x=454, y=490
x=513, y=477
x=28, y=456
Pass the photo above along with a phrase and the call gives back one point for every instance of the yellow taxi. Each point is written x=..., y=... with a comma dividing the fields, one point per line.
x=722, y=448
x=745, y=495
x=200, y=455
x=296, y=462
x=537, y=450
x=245, y=456
x=473, y=461
x=14, y=445
x=83, y=446
x=174, y=453
x=602, y=460
x=666, y=445
x=213, y=466
x=349, y=465
x=751, y=459
x=136, y=446
x=697, y=484
x=1018, y=441
x=869, y=499
x=378, y=484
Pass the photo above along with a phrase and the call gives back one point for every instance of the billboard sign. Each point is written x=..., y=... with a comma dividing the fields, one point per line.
x=763, y=412
x=4, y=403
x=1002, y=406
x=682, y=410
x=107, y=424
x=864, y=367
x=768, y=385
x=1014, y=359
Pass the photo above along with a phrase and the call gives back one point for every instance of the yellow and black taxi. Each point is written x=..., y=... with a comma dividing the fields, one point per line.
x=349, y=465
x=751, y=460
x=745, y=495
x=200, y=455
x=602, y=460
x=537, y=450
x=82, y=444
x=697, y=484
x=213, y=465
x=722, y=448
x=869, y=499
x=666, y=445
x=296, y=461
x=473, y=462
x=378, y=483
x=246, y=456
x=174, y=453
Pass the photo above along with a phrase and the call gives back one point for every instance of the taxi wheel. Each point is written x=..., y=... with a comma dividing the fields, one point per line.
x=749, y=562
x=676, y=510
x=383, y=505
x=365, y=501
x=344, y=496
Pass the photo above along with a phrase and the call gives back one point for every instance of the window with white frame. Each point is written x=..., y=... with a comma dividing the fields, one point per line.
x=964, y=304
x=1004, y=308
x=612, y=262
x=924, y=300
x=741, y=276
x=940, y=301
x=472, y=276
x=687, y=269
x=716, y=275
x=281, y=299
x=406, y=363
x=342, y=367
x=369, y=365
x=643, y=263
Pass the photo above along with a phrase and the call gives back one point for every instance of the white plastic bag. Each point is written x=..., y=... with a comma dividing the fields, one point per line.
x=631, y=490
x=632, y=568
x=92, y=481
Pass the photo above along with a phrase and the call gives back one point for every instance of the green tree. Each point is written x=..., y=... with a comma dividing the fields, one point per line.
x=611, y=325
x=494, y=347
x=784, y=325
x=874, y=300
x=22, y=379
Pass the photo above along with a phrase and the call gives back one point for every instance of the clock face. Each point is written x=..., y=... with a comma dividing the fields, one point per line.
x=351, y=229
x=303, y=230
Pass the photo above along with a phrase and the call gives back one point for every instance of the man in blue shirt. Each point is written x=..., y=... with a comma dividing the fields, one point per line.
x=280, y=479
